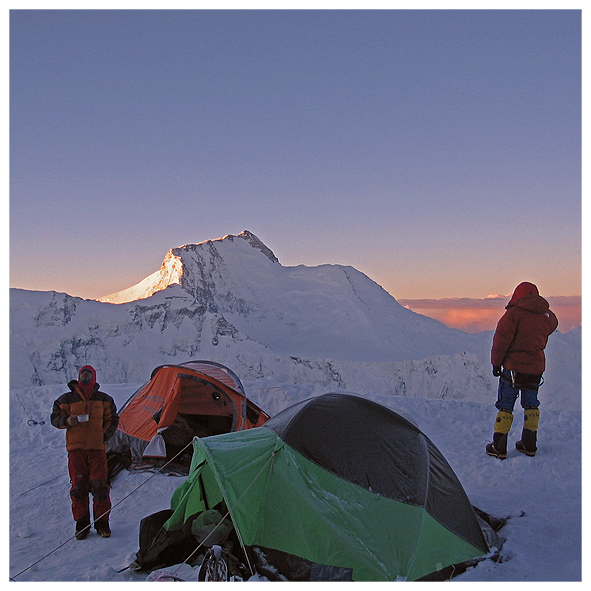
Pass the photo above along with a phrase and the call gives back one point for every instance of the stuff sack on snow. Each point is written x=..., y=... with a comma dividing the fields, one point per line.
x=156, y=448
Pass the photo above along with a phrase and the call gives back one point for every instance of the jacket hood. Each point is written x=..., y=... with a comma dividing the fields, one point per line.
x=523, y=290
x=84, y=389
x=533, y=303
x=90, y=369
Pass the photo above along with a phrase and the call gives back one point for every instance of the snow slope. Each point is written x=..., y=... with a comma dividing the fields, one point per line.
x=169, y=274
x=542, y=545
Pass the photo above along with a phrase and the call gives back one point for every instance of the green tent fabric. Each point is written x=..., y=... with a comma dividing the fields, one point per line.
x=340, y=481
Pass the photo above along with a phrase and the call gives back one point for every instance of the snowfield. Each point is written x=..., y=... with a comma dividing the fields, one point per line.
x=544, y=544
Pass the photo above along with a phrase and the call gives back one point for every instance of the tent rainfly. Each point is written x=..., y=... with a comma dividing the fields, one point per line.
x=196, y=398
x=349, y=487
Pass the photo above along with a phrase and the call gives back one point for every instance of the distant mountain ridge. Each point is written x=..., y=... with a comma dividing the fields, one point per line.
x=329, y=311
x=231, y=300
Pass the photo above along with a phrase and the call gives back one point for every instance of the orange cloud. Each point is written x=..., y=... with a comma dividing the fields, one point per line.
x=477, y=315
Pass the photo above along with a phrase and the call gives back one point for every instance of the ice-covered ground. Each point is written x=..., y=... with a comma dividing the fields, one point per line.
x=542, y=545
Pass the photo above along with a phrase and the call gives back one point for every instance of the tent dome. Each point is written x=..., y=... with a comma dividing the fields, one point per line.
x=337, y=481
x=374, y=447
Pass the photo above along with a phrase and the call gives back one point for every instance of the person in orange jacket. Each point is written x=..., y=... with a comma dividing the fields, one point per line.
x=518, y=359
x=90, y=419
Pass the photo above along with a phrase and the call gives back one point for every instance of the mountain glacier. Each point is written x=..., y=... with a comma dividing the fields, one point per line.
x=231, y=300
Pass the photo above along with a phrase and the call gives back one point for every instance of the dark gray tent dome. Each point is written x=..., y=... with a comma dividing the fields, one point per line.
x=374, y=447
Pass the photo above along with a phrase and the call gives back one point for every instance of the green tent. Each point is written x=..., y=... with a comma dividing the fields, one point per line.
x=337, y=480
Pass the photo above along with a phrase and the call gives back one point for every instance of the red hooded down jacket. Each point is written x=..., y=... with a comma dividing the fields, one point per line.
x=522, y=332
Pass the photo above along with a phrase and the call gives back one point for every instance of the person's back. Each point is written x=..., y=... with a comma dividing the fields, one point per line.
x=518, y=359
x=522, y=333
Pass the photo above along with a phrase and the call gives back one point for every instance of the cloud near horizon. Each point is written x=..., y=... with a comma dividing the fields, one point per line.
x=480, y=314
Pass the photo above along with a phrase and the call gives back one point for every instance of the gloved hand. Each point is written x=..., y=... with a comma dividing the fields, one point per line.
x=72, y=420
x=496, y=370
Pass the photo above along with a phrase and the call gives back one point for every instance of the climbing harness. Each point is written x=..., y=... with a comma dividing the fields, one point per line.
x=521, y=381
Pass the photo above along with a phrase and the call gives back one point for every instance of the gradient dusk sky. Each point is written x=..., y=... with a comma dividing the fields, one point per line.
x=437, y=151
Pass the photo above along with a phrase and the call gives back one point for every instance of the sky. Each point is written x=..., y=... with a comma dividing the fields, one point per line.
x=437, y=151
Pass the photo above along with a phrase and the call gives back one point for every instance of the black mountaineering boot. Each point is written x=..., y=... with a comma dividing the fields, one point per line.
x=82, y=528
x=498, y=447
x=528, y=443
x=102, y=528
x=529, y=436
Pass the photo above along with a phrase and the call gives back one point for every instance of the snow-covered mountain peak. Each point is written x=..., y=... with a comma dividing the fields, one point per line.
x=228, y=241
x=255, y=242
x=169, y=273
x=182, y=264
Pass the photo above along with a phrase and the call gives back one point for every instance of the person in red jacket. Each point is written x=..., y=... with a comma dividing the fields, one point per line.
x=518, y=359
x=90, y=418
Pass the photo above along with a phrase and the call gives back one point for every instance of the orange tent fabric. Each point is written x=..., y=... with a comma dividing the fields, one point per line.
x=196, y=388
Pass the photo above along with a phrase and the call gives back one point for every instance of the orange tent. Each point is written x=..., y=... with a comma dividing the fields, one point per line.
x=196, y=398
